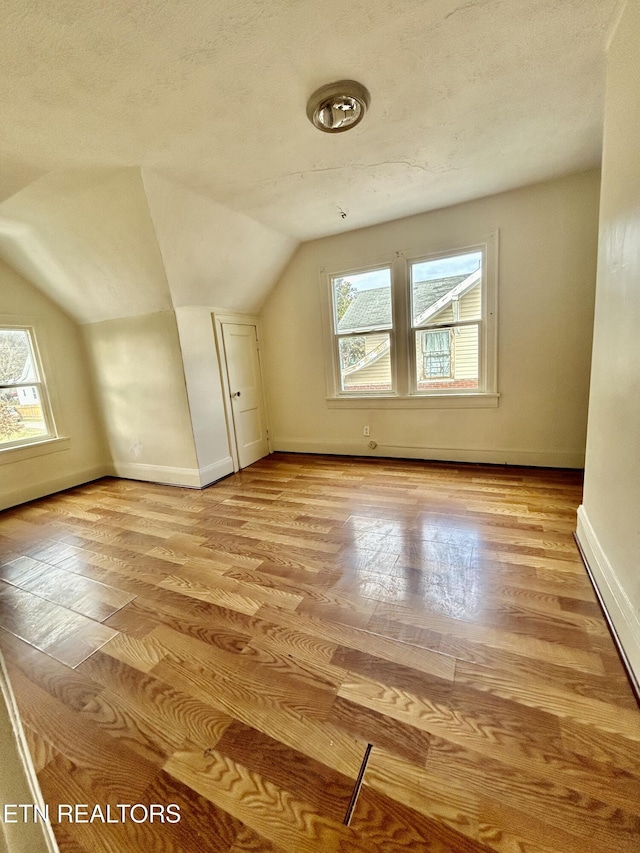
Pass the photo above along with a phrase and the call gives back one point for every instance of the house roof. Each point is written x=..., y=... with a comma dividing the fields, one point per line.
x=427, y=293
x=369, y=308
x=373, y=307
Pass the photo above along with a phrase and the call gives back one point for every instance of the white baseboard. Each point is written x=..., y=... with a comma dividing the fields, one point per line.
x=210, y=473
x=164, y=474
x=192, y=478
x=18, y=782
x=538, y=458
x=14, y=497
x=622, y=615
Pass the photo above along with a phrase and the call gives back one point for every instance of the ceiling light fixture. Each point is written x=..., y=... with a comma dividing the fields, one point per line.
x=339, y=106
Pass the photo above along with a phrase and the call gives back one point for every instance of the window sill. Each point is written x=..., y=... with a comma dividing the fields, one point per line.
x=432, y=401
x=36, y=448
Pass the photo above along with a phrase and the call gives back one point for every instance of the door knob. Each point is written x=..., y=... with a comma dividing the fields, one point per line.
x=237, y=394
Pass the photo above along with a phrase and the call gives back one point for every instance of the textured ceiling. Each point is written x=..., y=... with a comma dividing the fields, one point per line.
x=468, y=98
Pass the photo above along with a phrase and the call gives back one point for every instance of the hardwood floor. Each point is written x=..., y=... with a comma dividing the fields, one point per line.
x=234, y=652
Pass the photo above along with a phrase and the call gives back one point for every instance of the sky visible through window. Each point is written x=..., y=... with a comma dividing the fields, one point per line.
x=444, y=267
x=369, y=280
x=421, y=271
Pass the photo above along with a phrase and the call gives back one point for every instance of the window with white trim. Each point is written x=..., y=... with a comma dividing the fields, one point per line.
x=25, y=413
x=446, y=313
x=363, y=323
x=420, y=327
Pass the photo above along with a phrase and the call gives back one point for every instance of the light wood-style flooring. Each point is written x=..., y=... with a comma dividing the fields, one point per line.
x=235, y=652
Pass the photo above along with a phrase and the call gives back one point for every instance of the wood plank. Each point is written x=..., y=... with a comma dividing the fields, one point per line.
x=399, y=739
x=555, y=700
x=530, y=646
x=543, y=798
x=81, y=594
x=606, y=686
x=168, y=708
x=394, y=827
x=506, y=828
x=327, y=791
x=115, y=771
x=441, y=798
x=492, y=727
x=406, y=654
x=276, y=814
x=70, y=687
x=63, y=634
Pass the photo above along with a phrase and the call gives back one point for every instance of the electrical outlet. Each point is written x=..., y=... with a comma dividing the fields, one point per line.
x=365, y=431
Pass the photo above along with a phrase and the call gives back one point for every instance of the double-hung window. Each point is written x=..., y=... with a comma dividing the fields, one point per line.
x=363, y=324
x=25, y=414
x=418, y=330
x=446, y=316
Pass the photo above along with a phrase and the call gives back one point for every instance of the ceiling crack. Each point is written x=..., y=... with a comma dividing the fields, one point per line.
x=465, y=7
x=274, y=182
x=430, y=170
x=409, y=163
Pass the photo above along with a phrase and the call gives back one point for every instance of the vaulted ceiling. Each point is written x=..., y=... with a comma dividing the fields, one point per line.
x=189, y=118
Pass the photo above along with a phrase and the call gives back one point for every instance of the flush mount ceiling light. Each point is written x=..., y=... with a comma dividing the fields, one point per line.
x=338, y=106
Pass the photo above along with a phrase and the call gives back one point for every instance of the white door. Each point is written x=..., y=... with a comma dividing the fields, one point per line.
x=245, y=387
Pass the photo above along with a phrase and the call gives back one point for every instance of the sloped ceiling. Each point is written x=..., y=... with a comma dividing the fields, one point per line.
x=469, y=97
x=86, y=239
x=106, y=244
x=213, y=256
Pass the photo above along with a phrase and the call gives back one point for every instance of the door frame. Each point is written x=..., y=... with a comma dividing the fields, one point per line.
x=218, y=318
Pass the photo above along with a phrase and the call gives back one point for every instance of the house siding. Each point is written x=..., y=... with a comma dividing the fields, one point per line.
x=464, y=346
x=471, y=304
x=375, y=376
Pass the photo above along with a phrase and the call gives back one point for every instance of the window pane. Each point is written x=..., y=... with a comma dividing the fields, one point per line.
x=16, y=359
x=21, y=414
x=447, y=358
x=436, y=353
x=365, y=363
x=362, y=301
x=446, y=290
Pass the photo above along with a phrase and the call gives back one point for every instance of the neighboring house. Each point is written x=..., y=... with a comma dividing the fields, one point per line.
x=446, y=355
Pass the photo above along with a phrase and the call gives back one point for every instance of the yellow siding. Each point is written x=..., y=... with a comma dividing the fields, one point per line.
x=465, y=352
x=373, y=341
x=465, y=339
x=375, y=374
x=444, y=316
x=378, y=373
x=471, y=304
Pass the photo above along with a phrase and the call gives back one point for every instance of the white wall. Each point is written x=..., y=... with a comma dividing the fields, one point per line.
x=609, y=520
x=548, y=236
x=204, y=390
x=28, y=473
x=141, y=386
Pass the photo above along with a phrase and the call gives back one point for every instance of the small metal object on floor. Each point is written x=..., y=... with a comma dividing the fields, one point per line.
x=357, y=786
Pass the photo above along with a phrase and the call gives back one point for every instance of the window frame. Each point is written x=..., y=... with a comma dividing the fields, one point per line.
x=405, y=393
x=362, y=332
x=40, y=383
